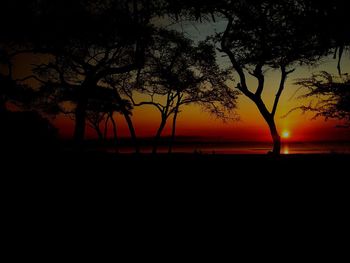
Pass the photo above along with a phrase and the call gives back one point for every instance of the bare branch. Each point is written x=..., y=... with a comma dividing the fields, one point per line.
x=31, y=77
x=261, y=79
x=157, y=105
x=224, y=48
x=284, y=75
x=119, y=70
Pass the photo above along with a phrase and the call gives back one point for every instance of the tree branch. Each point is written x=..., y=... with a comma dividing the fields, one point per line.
x=10, y=69
x=157, y=105
x=224, y=48
x=261, y=79
x=284, y=74
x=31, y=77
x=119, y=70
x=24, y=51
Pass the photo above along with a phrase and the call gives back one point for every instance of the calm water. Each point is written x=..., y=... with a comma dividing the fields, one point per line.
x=253, y=148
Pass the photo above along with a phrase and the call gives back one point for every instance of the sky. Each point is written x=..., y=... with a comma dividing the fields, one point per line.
x=196, y=122
x=193, y=121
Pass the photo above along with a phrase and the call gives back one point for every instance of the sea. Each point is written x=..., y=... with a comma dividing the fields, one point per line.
x=247, y=148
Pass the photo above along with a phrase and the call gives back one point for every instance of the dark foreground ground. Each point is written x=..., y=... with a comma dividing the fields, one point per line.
x=190, y=199
x=97, y=175
x=108, y=172
x=176, y=195
x=101, y=165
x=188, y=179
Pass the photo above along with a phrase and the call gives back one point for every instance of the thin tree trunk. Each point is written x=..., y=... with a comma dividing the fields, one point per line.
x=2, y=106
x=115, y=134
x=173, y=131
x=106, y=128
x=81, y=111
x=99, y=132
x=80, y=122
x=275, y=138
x=2, y=102
x=132, y=131
x=274, y=133
x=269, y=118
x=128, y=120
x=159, y=133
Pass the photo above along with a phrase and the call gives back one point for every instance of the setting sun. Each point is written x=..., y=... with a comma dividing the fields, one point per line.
x=285, y=134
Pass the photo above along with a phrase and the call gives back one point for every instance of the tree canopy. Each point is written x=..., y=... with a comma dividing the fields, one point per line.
x=90, y=48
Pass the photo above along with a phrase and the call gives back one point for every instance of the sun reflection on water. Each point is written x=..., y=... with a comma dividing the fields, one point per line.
x=285, y=149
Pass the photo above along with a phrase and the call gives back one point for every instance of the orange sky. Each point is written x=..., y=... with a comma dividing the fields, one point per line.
x=193, y=121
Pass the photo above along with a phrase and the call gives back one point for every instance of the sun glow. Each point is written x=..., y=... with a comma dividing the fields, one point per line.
x=285, y=134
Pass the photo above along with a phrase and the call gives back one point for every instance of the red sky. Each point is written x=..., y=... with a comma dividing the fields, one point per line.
x=193, y=121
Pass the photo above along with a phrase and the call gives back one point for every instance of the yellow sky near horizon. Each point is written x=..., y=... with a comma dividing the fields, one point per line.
x=194, y=121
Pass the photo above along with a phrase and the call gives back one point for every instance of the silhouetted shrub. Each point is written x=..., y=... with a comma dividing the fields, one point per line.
x=27, y=131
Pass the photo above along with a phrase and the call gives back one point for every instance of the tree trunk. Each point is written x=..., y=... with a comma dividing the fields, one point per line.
x=275, y=138
x=115, y=134
x=128, y=120
x=80, y=122
x=81, y=110
x=269, y=118
x=159, y=133
x=106, y=128
x=2, y=104
x=99, y=132
x=131, y=130
x=256, y=97
x=173, y=131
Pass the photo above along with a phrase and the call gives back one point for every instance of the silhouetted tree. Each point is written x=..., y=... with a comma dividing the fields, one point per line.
x=332, y=93
x=101, y=110
x=84, y=41
x=87, y=45
x=6, y=81
x=11, y=91
x=26, y=131
x=330, y=20
x=262, y=35
x=177, y=73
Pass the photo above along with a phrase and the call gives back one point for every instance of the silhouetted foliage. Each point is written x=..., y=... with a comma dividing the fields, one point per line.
x=262, y=35
x=92, y=40
x=95, y=54
x=27, y=131
x=101, y=109
x=178, y=73
x=329, y=19
x=332, y=93
x=11, y=91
